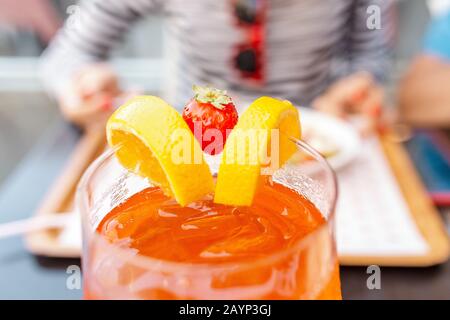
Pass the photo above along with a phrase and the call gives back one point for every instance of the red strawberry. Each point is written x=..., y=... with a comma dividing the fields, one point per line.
x=210, y=115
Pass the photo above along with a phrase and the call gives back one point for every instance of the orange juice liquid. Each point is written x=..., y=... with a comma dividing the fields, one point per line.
x=153, y=225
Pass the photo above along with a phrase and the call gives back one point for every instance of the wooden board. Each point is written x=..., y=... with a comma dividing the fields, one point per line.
x=421, y=208
x=60, y=199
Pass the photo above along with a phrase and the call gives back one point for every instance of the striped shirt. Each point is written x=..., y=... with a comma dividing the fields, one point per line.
x=309, y=43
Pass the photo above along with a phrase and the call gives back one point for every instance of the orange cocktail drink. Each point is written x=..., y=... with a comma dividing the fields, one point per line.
x=162, y=221
x=140, y=244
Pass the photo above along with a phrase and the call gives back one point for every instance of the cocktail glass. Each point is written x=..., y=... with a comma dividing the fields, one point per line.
x=306, y=270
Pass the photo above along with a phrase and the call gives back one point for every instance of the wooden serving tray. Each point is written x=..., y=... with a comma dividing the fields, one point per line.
x=425, y=215
x=60, y=197
x=422, y=210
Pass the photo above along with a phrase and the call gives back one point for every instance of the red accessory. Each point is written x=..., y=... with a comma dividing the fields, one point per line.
x=249, y=59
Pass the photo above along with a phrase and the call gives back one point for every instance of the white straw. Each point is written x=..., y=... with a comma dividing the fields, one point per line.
x=45, y=221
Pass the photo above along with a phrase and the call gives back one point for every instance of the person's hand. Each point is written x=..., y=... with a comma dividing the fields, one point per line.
x=356, y=95
x=88, y=100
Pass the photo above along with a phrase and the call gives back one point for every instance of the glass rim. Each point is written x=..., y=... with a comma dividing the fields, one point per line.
x=81, y=202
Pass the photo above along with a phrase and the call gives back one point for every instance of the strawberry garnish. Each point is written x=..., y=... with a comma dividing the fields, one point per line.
x=210, y=115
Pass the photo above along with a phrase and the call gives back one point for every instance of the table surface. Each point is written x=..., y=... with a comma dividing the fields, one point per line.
x=25, y=276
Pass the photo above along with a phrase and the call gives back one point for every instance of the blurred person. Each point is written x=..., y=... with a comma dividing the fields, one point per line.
x=33, y=15
x=319, y=53
x=424, y=94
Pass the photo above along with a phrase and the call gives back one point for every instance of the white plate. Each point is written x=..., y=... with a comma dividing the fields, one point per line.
x=338, y=133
